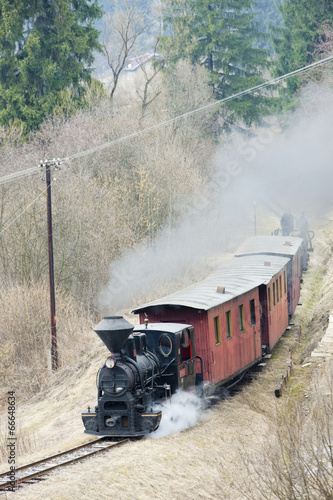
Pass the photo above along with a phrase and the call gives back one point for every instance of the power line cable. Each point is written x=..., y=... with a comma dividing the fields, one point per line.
x=23, y=211
x=197, y=110
x=19, y=175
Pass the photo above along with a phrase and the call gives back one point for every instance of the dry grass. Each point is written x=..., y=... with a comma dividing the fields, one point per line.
x=51, y=421
x=25, y=337
x=25, y=354
x=204, y=465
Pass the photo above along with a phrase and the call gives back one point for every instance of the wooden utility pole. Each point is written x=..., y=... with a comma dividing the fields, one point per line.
x=54, y=351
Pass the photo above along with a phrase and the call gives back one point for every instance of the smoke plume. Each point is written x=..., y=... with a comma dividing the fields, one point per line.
x=181, y=412
x=255, y=178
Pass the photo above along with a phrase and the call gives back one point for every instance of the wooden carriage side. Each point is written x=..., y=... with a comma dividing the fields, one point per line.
x=238, y=313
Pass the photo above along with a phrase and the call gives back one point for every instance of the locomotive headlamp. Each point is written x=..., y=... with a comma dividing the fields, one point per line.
x=110, y=362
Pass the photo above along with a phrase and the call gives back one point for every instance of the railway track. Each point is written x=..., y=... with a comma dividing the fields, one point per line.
x=31, y=472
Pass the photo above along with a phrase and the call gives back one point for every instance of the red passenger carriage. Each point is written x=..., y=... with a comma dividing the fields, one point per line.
x=239, y=312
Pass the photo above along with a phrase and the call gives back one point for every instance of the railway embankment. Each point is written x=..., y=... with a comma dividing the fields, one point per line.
x=324, y=348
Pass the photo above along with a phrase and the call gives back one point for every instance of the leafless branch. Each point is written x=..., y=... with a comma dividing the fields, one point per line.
x=121, y=33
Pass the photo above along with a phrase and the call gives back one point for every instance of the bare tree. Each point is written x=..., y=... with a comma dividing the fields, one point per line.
x=322, y=49
x=148, y=93
x=121, y=32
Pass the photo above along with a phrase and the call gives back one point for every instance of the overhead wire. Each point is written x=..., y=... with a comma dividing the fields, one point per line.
x=18, y=175
x=197, y=110
x=23, y=173
x=23, y=211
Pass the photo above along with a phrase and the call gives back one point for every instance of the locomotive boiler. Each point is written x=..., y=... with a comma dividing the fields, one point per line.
x=146, y=365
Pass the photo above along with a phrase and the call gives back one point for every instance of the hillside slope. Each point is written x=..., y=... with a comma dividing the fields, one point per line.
x=220, y=456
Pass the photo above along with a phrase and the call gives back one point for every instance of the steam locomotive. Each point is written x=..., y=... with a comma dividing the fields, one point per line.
x=146, y=364
x=209, y=333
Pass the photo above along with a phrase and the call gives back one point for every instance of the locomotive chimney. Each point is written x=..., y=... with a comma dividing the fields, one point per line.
x=114, y=331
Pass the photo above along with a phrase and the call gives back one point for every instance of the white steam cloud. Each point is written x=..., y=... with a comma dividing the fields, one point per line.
x=275, y=168
x=181, y=412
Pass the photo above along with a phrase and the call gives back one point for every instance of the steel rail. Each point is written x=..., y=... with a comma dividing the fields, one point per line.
x=47, y=469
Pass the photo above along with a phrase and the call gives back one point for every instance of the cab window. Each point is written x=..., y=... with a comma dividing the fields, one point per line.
x=165, y=345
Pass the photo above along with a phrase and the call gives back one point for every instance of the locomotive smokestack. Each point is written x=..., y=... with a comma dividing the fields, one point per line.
x=114, y=331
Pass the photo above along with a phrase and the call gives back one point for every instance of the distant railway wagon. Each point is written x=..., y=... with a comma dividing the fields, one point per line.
x=212, y=331
x=286, y=246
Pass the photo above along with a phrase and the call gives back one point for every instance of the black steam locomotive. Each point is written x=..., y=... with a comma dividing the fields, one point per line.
x=147, y=365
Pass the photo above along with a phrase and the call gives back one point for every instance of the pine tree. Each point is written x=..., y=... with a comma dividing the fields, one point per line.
x=269, y=17
x=222, y=35
x=45, y=52
x=301, y=32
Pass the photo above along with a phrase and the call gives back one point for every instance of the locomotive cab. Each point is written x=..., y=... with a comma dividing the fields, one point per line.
x=173, y=345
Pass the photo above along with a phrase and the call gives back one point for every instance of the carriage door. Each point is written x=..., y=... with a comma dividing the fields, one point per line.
x=264, y=318
x=186, y=359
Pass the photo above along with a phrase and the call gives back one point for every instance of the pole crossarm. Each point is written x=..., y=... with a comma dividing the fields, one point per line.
x=56, y=162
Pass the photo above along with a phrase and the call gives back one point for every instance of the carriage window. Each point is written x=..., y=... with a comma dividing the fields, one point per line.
x=241, y=318
x=273, y=294
x=277, y=291
x=165, y=345
x=269, y=299
x=252, y=312
x=217, y=330
x=280, y=280
x=228, y=322
x=284, y=282
x=296, y=265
